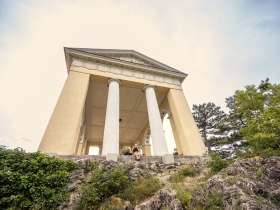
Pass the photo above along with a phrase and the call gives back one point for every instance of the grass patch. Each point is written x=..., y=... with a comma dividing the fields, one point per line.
x=260, y=172
x=187, y=170
x=216, y=163
x=214, y=201
x=184, y=196
x=141, y=189
x=232, y=180
x=113, y=203
x=109, y=206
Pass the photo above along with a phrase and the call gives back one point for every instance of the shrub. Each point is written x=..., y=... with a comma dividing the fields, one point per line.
x=183, y=195
x=214, y=201
x=108, y=206
x=113, y=203
x=141, y=189
x=216, y=163
x=102, y=185
x=32, y=180
x=187, y=170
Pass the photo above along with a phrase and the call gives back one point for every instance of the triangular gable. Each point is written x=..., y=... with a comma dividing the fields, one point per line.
x=131, y=56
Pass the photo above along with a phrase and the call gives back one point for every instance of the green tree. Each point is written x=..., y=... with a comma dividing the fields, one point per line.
x=255, y=114
x=210, y=120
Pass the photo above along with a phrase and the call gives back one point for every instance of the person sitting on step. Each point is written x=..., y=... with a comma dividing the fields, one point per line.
x=136, y=152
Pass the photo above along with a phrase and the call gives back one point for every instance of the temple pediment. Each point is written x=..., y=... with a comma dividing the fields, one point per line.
x=133, y=59
x=126, y=56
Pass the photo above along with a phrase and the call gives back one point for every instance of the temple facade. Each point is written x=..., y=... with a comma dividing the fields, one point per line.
x=116, y=98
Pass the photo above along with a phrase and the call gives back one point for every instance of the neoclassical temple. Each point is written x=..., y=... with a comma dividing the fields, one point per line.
x=116, y=98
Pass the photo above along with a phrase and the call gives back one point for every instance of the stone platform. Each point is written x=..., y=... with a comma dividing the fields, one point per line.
x=130, y=158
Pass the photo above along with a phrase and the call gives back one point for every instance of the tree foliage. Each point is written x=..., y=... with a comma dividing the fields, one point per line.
x=210, y=119
x=254, y=116
x=32, y=180
x=256, y=113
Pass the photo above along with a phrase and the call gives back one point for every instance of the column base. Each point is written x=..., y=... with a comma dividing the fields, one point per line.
x=112, y=156
x=168, y=159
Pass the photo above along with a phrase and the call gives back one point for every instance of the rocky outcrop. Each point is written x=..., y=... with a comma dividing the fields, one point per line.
x=78, y=176
x=249, y=184
x=136, y=170
x=164, y=199
x=139, y=169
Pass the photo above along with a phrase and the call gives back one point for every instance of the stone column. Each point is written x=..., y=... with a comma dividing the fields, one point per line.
x=159, y=142
x=175, y=135
x=100, y=150
x=146, y=148
x=62, y=133
x=82, y=140
x=111, y=128
x=85, y=147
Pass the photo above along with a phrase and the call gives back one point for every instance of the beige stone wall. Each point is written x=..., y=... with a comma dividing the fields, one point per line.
x=185, y=127
x=62, y=133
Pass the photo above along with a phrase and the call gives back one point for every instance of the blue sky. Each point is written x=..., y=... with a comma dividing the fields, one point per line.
x=222, y=45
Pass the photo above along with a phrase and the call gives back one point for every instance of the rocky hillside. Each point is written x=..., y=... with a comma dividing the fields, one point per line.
x=248, y=184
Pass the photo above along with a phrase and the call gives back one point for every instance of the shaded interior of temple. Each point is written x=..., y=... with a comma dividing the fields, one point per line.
x=133, y=112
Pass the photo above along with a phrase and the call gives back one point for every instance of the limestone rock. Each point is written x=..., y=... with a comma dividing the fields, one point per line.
x=135, y=172
x=164, y=198
x=78, y=176
x=248, y=184
x=147, y=166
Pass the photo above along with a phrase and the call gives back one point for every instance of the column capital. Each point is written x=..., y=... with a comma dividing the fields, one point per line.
x=114, y=79
x=147, y=85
